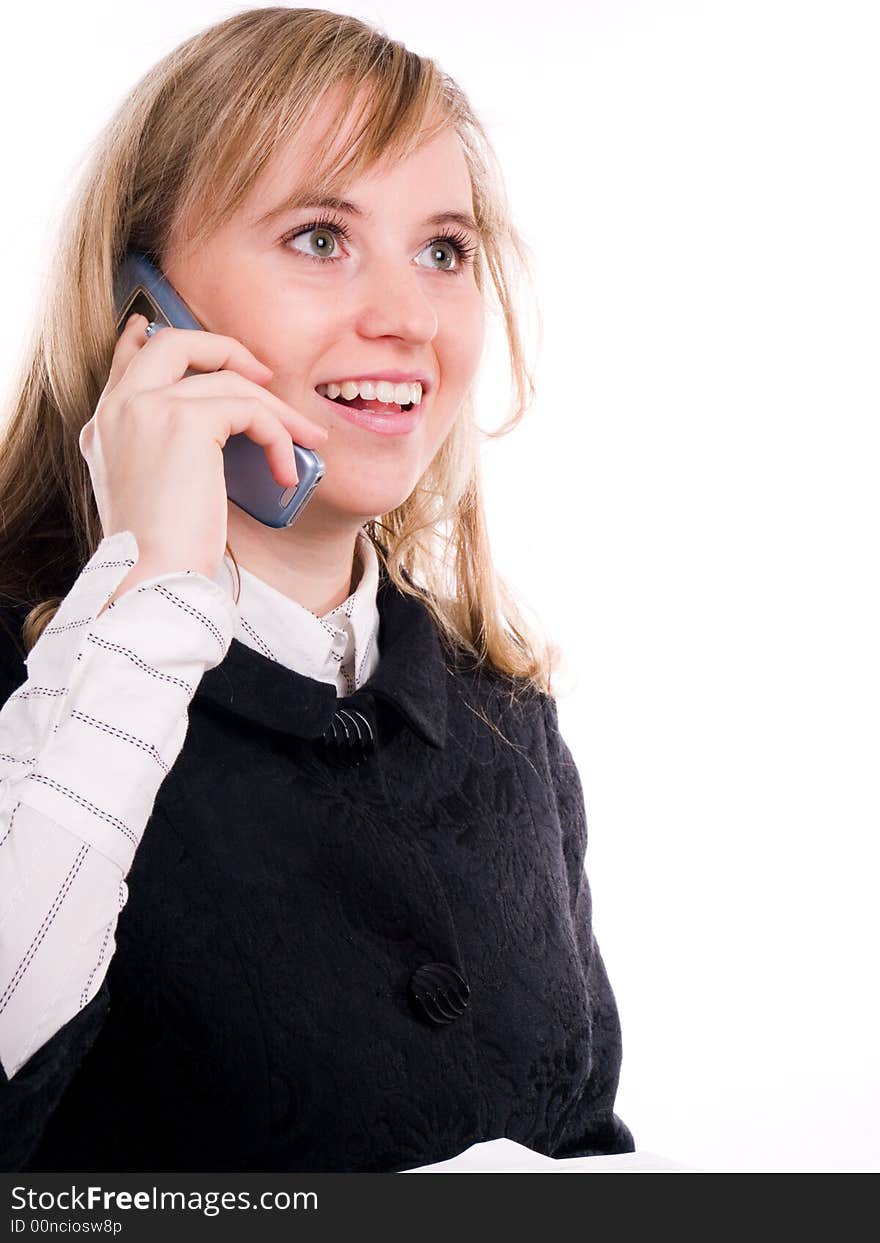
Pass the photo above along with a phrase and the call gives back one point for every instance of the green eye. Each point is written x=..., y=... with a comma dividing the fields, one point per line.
x=328, y=233
x=323, y=241
x=437, y=251
x=458, y=247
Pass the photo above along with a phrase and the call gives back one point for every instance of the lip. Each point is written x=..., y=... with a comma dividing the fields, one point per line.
x=392, y=424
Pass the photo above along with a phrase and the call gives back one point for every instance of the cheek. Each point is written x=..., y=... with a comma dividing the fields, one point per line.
x=292, y=325
x=294, y=339
x=465, y=339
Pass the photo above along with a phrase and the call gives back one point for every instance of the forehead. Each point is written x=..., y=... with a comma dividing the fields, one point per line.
x=437, y=165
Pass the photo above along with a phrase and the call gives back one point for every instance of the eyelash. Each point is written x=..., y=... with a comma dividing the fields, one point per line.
x=459, y=242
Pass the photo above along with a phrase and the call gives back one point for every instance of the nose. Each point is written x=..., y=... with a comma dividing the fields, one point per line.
x=393, y=303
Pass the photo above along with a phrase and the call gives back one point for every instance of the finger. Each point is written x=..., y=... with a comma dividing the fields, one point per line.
x=233, y=415
x=128, y=344
x=304, y=430
x=167, y=355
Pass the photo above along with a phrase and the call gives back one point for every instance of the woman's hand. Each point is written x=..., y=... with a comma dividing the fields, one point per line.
x=154, y=445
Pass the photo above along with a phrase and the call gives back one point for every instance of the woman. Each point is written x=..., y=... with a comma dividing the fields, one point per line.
x=293, y=872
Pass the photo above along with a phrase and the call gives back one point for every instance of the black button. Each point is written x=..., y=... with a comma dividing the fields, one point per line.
x=438, y=992
x=349, y=739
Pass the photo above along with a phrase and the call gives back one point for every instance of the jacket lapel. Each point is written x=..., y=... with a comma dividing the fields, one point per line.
x=411, y=677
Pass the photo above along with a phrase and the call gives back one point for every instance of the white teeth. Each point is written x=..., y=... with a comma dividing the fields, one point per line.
x=373, y=390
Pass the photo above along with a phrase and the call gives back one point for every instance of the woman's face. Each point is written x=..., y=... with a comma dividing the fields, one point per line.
x=319, y=307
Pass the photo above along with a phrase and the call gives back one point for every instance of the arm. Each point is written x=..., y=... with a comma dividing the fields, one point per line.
x=85, y=743
x=592, y=1127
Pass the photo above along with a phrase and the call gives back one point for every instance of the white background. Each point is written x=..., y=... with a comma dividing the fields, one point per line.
x=691, y=507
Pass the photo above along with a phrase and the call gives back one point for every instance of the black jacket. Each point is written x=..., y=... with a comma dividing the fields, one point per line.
x=291, y=914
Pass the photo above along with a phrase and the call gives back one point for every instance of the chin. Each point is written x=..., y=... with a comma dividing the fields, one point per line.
x=364, y=499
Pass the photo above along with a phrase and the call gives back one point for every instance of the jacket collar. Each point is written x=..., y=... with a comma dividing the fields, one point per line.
x=411, y=676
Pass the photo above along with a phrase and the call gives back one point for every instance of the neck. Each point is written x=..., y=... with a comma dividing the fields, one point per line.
x=310, y=563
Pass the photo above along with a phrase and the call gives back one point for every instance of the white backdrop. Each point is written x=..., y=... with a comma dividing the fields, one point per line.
x=691, y=506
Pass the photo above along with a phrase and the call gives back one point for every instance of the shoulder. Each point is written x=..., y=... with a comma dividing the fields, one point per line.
x=511, y=709
x=514, y=705
x=514, y=698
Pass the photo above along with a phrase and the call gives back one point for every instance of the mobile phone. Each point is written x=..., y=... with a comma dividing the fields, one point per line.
x=140, y=288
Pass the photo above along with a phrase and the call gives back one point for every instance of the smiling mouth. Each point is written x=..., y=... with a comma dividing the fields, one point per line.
x=364, y=403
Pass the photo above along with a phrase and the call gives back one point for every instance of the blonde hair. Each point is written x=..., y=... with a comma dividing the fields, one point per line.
x=186, y=146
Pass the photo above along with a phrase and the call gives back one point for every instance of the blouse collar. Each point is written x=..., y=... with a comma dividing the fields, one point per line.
x=340, y=647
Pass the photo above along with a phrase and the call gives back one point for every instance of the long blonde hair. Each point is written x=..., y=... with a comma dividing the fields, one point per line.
x=186, y=145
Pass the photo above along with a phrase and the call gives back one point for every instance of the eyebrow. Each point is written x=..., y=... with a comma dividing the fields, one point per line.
x=308, y=199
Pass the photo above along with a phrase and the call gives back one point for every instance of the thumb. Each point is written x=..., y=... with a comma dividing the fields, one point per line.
x=129, y=343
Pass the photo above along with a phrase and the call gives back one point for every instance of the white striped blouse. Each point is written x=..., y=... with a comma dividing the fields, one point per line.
x=87, y=740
